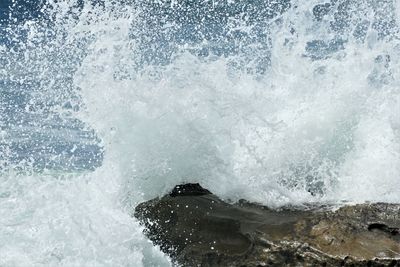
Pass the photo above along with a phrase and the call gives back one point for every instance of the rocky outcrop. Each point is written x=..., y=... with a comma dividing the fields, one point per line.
x=196, y=228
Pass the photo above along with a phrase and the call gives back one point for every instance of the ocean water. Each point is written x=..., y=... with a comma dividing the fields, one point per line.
x=105, y=104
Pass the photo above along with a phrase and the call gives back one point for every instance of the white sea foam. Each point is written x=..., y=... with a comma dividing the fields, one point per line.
x=311, y=127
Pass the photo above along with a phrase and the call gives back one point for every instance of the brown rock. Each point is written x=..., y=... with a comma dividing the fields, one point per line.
x=196, y=228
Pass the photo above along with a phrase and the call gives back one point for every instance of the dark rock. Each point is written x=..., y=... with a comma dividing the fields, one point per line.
x=196, y=228
x=189, y=190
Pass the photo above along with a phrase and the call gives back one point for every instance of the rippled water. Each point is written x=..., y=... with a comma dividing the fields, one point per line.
x=107, y=104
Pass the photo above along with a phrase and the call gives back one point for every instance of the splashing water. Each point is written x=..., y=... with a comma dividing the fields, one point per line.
x=106, y=104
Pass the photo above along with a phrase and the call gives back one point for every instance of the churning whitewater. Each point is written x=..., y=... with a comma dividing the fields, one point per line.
x=104, y=104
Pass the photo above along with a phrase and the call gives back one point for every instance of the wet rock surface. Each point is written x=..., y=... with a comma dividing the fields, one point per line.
x=196, y=228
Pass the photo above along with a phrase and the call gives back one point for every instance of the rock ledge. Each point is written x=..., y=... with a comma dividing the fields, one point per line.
x=196, y=228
